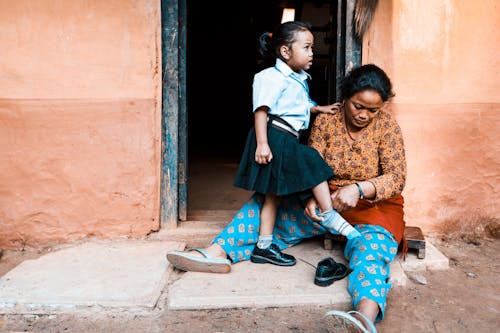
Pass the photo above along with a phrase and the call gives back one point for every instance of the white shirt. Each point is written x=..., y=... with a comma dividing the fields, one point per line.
x=285, y=92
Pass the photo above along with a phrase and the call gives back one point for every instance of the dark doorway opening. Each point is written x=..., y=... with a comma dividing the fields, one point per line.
x=220, y=65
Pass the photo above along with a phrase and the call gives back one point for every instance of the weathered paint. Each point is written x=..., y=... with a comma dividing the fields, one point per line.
x=183, y=149
x=80, y=114
x=170, y=114
x=80, y=95
x=443, y=59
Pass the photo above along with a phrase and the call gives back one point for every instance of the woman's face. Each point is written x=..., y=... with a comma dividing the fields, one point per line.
x=362, y=107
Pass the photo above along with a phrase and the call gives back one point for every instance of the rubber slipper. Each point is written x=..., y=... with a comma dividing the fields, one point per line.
x=340, y=321
x=187, y=262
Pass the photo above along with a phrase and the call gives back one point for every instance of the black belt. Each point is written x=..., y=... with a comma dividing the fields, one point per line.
x=282, y=125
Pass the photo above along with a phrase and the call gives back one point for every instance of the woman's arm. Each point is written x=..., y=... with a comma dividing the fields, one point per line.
x=392, y=161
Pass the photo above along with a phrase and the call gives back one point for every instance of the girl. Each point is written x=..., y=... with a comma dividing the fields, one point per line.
x=274, y=162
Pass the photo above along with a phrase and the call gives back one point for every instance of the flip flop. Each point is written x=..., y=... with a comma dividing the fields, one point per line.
x=187, y=262
x=340, y=321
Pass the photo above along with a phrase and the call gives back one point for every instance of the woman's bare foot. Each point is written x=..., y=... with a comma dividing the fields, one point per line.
x=211, y=259
x=214, y=250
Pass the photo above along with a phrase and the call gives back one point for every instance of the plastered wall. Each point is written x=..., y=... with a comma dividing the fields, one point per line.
x=79, y=120
x=443, y=59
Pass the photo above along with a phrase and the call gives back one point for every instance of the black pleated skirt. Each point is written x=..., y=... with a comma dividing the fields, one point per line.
x=295, y=168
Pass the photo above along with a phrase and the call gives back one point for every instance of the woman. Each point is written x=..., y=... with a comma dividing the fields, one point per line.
x=364, y=146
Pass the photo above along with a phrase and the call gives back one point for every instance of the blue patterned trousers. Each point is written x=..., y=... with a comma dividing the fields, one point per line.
x=369, y=256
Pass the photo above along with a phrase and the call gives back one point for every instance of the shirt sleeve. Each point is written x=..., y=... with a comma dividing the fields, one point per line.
x=312, y=103
x=266, y=90
x=392, y=161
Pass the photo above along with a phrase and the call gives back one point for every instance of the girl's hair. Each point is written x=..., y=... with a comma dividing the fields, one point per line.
x=367, y=77
x=284, y=34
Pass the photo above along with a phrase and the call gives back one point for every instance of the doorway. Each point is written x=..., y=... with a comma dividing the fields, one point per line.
x=220, y=65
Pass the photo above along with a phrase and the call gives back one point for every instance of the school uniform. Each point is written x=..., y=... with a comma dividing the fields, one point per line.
x=295, y=167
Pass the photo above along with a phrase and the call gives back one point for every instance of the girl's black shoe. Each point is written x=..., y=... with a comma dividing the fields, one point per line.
x=329, y=271
x=272, y=255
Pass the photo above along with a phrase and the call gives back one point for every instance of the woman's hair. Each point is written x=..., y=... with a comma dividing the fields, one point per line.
x=284, y=34
x=367, y=77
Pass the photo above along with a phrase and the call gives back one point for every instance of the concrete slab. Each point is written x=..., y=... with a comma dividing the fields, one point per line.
x=127, y=274
x=252, y=285
x=434, y=260
x=398, y=276
x=132, y=275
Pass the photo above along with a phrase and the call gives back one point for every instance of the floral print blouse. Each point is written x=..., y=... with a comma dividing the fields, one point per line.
x=377, y=155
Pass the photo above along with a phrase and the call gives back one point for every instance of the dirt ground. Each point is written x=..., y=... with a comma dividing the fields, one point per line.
x=465, y=298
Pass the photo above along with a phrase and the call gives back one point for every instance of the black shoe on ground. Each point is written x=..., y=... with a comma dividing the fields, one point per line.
x=272, y=255
x=329, y=271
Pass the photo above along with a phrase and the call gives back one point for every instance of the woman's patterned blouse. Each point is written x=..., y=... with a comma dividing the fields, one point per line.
x=378, y=155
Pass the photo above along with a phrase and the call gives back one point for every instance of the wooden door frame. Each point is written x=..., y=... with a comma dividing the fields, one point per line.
x=173, y=182
x=173, y=186
x=348, y=53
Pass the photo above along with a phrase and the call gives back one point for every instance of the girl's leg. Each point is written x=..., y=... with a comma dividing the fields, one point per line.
x=267, y=220
x=240, y=236
x=322, y=195
x=332, y=220
x=266, y=251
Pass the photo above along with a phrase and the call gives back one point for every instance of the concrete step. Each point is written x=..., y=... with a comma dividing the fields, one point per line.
x=211, y=215
x=252, y=285
x=124, y=275
x=192, y=233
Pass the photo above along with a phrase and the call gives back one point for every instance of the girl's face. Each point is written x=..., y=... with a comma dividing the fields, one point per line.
x=300, y=55
x=362, y=107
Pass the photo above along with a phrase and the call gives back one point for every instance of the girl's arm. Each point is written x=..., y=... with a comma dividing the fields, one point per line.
x=263, y=154
x=332, y=108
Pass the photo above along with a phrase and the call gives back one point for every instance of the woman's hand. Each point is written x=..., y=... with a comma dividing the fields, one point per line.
x=263, y=154
x=345, y=198
x=331, y=109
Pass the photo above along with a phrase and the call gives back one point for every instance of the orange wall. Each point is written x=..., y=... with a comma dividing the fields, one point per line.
x=443, y=59
x=79, y=119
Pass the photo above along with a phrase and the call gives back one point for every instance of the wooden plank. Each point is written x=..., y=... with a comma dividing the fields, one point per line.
x=340, y=48
x=183, y=162
x=416, y=240
x=352, y=42
x=348, y=45
x=170, y=112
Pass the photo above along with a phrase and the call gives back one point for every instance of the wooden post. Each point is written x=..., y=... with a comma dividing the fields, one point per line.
x=348, y=53
x=170, y=113
x=352, y=42
x=183, y=165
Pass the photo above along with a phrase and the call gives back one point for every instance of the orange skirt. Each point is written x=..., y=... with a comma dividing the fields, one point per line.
x=387, y=213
